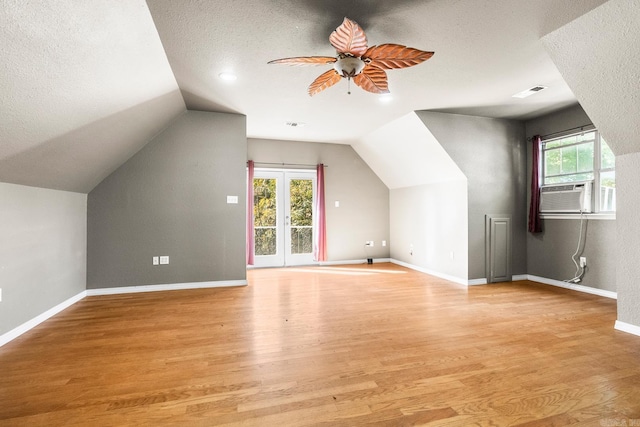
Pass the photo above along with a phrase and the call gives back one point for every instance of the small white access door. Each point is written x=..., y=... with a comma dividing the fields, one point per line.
x=283, y=217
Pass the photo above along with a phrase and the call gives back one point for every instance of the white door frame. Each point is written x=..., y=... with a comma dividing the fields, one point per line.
x=283, y=256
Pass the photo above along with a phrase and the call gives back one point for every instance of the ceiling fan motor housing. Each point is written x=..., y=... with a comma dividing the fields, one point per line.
x=349, y=66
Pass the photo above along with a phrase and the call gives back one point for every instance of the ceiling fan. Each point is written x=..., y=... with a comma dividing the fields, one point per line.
x=355, y=59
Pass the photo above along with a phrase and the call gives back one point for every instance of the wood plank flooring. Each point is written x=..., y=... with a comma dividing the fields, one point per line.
x=328, y=346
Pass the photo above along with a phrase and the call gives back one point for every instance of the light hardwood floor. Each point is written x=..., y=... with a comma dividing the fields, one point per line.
x=336, y=346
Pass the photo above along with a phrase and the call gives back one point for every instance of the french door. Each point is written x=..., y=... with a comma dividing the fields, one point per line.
x=283, y=217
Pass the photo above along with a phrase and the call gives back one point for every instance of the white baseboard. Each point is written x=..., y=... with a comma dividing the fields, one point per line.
x=25, y=327
x=518, y=277
x=573, y=286
x=431, y=272
x=167, y=287
x=628, y=328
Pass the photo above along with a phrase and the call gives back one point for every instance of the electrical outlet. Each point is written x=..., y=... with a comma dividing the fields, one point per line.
x=411, y=250
x=583, y=261
x=155, y=260
x=164, y=260
x=384, y=243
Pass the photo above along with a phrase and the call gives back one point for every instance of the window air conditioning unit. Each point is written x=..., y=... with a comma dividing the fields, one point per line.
x=566, y=197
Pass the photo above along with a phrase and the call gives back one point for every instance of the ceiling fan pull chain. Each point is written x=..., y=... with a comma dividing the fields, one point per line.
x=348, y=85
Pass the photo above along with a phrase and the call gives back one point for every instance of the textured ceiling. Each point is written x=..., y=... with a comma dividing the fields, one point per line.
x=85, y=84
x=604, y=72
x=486, y=50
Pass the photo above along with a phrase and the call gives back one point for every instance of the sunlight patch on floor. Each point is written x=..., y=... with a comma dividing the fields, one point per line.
x=346, y=271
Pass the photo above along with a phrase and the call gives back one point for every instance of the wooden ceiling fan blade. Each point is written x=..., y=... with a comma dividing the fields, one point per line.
x=305, y=60
x=372, y=79
x=389, y=56
x=325, y=80
x=349, y=38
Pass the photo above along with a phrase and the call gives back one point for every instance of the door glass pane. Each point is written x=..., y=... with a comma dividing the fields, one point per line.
x=301, y=208
x=265, y=215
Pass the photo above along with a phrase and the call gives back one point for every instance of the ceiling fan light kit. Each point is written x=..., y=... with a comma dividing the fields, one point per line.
x=349, y=66
x=356, y=60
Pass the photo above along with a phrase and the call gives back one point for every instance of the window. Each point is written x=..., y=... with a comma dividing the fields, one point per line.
x=582, y=157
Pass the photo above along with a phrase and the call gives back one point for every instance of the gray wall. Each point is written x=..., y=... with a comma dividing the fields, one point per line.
x=549, y=253
x=628, y=230
x=170, y=199
x=364, y=200
x=492, y=155
x=602, y=72
x=432, y=219
x=43, y=251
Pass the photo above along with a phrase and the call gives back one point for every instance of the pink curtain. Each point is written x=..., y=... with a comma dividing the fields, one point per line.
x=250, y=231
x=320, y=223
x=535, y=223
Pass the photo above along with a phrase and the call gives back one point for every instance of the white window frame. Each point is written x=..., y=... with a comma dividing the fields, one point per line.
x=597, y=171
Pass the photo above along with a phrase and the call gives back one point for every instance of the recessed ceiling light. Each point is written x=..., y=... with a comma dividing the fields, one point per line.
x=227, y=76
x=529, y=92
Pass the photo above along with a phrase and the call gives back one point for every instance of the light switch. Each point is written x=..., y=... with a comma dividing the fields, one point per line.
x=232, y=199
x=337, y=203
x=156, y=260
x=164, y=260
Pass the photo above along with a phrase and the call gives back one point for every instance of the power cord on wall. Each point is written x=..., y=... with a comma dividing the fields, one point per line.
x=580, y=270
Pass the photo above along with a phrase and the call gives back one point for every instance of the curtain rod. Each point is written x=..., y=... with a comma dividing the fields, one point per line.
x=287, y=164
x=563, y=131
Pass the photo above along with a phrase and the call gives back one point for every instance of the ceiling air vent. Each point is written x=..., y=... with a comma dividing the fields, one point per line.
x=294, y=124
x=529, y=91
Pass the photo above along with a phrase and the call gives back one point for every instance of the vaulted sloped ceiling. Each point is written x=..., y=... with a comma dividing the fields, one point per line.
x=599, y=57
x=416, y=155
x=84, y=85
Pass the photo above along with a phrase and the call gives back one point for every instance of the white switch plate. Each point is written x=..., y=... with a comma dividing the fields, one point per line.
x=384, y=243
x=337, y=203
x=164, y=260
x=156, y=260
x=232, y=199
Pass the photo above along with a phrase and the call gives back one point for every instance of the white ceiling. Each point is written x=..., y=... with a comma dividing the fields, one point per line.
x=417, y=157
x=485, y=51
x=84, y=85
